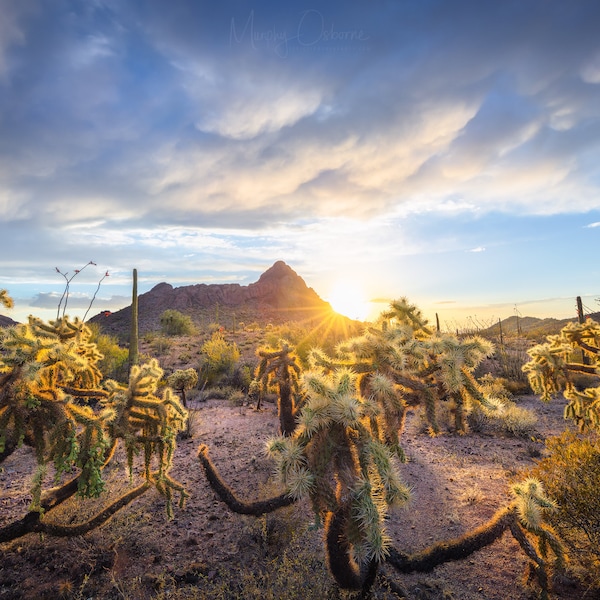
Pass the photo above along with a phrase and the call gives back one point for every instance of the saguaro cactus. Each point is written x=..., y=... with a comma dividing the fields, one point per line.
x=133, y=335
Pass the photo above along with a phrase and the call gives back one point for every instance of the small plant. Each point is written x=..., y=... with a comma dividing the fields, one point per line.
x=181, y=381
x=160, y=344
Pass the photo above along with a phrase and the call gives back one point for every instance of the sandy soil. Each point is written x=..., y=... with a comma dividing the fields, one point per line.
x=458, y=483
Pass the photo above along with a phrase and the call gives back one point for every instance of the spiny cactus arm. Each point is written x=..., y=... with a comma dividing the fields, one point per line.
x=540, y=565
x=94, y=522
x=472, y=388
x=346, y=572
x=31, y=522
x=226, y=494
x=430, y=400
x=583, y=407
x=84, y=393
x=583, y=335
x=406, y=313
x=547, y=370
x=6, y=300
x=455, y=549
x=49, y=500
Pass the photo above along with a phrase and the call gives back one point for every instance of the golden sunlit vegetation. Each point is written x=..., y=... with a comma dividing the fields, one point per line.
x=342, y=413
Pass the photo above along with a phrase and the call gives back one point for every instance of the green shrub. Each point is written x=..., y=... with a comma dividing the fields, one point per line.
x=173, y=322
x=219, y=358
x=571, y=476
x=114, y=364
x=161, y=344
x=242, y=377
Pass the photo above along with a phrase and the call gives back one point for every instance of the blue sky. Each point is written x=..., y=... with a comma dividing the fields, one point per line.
x=447, y=151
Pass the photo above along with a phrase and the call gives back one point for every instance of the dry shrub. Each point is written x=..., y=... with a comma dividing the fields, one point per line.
x=517, y=421
x=571, y=475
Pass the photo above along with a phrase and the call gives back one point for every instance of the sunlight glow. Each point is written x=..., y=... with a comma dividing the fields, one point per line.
x=349, y=300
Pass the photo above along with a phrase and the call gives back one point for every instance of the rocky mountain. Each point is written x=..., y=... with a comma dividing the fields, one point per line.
x=6, y=321
x=278, y=296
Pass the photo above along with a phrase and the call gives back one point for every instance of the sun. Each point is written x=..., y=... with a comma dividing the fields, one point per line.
x=348, y=299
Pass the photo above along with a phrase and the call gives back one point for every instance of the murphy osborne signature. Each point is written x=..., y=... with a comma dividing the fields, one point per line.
x=311, y=31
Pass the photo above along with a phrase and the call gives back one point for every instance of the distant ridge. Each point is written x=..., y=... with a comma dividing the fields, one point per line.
x=6, y=321
x=279, y=295
x=532, y=327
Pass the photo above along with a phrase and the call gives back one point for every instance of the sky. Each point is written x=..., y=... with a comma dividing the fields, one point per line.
x=447, y=151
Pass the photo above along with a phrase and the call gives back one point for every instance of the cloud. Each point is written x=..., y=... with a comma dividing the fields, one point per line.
x=78, y=300
x=592, y=225
x=140, y=137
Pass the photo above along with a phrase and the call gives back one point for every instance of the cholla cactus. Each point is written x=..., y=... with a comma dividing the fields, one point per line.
x=182, y=380
x=5, y=299
x=279, y=366
x=401, y=362
x=347, y=473
x=52, y=398
x=554, y=364
x=523, y=517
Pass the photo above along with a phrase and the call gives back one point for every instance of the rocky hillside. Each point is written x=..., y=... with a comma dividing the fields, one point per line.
x=278, y=296
x=6, y=321
x=532, y=327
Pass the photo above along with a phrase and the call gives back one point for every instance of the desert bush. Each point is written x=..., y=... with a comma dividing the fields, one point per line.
x=173, y=322
x=114, y=363
x=219, y=358
x=160, y=345
x=503, y=415
x=237, y=397
x=571, y=475
x=241, y=377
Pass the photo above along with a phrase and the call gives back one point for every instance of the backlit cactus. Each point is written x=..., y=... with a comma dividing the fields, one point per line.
x=555, y=364
x=52, y=397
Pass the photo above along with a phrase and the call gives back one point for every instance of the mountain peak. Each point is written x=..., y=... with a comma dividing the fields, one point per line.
x=279, y=270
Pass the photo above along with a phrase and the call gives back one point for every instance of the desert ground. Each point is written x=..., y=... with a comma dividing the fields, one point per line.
x=206, y=551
